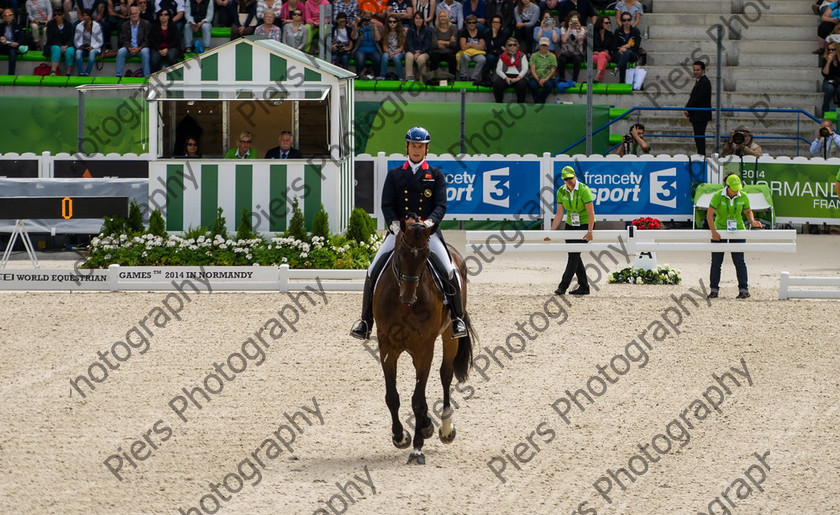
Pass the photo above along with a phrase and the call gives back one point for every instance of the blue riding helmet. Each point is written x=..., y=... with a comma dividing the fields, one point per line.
x=417, y=135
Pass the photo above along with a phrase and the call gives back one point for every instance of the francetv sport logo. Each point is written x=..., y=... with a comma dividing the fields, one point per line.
x=630, y=187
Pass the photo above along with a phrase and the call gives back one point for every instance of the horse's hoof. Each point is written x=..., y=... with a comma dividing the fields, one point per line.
x=404, y=443
x=429, y=430
x=417, y=458
x=447, y=439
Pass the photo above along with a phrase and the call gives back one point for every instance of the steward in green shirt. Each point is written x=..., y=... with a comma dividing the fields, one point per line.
x=575, y=199
x=837, y=184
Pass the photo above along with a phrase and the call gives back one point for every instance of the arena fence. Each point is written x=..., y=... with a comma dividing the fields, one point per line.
x=786, y=281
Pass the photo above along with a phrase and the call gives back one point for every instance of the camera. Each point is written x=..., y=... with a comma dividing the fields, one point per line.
x=825, y=132
x=627, y=139
x=738, y=138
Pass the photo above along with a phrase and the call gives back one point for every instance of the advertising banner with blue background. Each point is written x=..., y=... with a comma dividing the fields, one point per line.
x=484, y=188
x=630, y=188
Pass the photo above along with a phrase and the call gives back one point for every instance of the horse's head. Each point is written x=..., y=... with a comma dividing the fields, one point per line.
x=411, y=251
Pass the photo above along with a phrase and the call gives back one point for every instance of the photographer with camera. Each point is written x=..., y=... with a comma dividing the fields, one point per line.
x=831, y=76
x=827, y=142
x=633, y=142
x=740, y=143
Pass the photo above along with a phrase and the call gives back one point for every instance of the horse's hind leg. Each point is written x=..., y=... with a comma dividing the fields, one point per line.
x=424, y=427
x=450, y=348
x=399, y=436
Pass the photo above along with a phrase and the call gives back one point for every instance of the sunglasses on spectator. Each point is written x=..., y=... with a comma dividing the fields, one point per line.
x=513, y=44
x=192, y=144
x=471, y=22
x=392, y=21
x=297, y=14
x=625, y=19
x=244, y=141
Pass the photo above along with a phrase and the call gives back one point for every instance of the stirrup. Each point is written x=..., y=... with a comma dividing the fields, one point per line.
x=361, y=330
x=459, y=328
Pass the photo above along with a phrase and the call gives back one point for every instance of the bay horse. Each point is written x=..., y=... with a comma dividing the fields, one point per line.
x=409, y=315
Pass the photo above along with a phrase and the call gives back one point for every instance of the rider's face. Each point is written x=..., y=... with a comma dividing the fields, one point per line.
x=417, y=151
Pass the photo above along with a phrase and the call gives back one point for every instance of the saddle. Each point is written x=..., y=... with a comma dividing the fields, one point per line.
x=439, y=280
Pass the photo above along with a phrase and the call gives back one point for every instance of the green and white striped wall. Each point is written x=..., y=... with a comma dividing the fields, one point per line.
x=195, y=190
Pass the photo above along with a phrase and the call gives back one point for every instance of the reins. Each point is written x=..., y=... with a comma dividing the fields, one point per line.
x=407, y=277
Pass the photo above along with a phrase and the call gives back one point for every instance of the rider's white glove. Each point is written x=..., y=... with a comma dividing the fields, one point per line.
x=428, y=223
x=395, y=226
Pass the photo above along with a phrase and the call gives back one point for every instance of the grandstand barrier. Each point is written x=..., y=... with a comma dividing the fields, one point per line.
x=632, y=241
x=786, y=292
x=188, y=279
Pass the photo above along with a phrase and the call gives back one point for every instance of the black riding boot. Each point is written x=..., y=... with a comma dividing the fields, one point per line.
x=363, y=327
x=453, y=294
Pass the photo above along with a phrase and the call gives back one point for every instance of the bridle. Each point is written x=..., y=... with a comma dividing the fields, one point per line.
x=407, y=277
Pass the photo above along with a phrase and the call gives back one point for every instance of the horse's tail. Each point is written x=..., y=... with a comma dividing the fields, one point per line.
x=464, y=356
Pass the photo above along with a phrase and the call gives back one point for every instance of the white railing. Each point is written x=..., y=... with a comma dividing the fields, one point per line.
x=786, y=281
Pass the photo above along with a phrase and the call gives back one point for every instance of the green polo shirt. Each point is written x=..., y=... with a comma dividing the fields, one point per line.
x=729, y=209
x=252, y=153
x=543, y=65
x=575, y=202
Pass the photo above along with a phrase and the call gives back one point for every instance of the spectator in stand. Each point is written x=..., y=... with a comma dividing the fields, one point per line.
x=312, y=18
x=393, y=47
x=96, y=7
x=296, y=34
x=284, y=148
x=341, y=43
x=549, y=5
x=288, y=8
x=603, y=46
x=418, y=47
x=428, y=8
x=88, y=41
x=199, y=18
x=827, y=142
x=633, y=143
x=740, y=143
x=164, y=42
x=367, y=46
x=134, y=40
x=350, y=8
x=632, y=7
x=548, y=29
x=505, y=10
x=191, y=148
x=40, y=13
x=627, y=41
x=243, y=150
x=477, y=8
x=444, y=42
x=831, y=77
x=264, y=6
x=147, y=12
x=60, y=43
x=701, y=96
x=583, y=7
x=268, y=29
x=510, y=72
x=572, y=46
x=527, y=15
x=227, y=12
x=543, y=69
x=403, y=10
x=473, y=49
x=495, y=39
x=455, y=11
x=829, y=18
x=116, y=14
x=246, y=28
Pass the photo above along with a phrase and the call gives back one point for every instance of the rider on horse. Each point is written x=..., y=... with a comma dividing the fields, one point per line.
x=414, y=187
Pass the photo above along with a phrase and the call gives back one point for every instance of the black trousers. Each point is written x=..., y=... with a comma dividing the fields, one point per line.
x=700, y=130
x=500, y=85
x=574, y=265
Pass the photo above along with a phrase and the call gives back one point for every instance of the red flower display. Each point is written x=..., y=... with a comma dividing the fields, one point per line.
x=646, y=223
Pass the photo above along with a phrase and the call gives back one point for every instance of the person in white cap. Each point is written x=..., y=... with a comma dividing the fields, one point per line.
x=543, y=71
x=726, y=213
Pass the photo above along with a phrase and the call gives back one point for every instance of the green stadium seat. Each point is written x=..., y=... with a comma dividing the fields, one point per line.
x=468, y=86
x=106, y=80
x=387, y=85
x=133, y=80
x=616, y=112
x=830, y=115
x=7, y=80
x=28, y=80
x=220, y=32
x=72, y=82
x=616, y=89
x=365, y=85
x=615, y=139
x=54, y=81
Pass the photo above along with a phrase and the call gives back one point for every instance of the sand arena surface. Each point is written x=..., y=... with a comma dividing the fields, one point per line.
x=53, y=442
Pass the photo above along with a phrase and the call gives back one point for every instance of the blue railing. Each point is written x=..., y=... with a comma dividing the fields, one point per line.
x=638, y=110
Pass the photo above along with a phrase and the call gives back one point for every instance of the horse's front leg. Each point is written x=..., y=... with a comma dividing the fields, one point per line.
x=399, y=436
x=450, y=348
x=424, y=427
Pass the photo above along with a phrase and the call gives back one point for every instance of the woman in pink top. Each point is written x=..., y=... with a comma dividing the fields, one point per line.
x=288, y=8
x=312, y=18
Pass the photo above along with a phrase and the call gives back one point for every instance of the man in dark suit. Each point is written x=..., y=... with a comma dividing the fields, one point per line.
x=11, y=38
x=134, y=40
x=284, y=150
x=701, y=96
x=414, y=187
